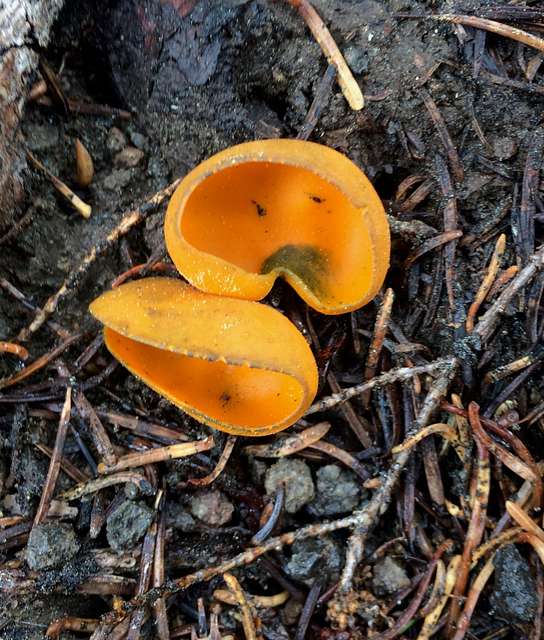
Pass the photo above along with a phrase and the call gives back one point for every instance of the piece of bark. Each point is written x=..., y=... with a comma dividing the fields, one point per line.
x=24, y=27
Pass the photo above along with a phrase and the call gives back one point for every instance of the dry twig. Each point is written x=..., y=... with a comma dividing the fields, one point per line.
x=487, y=282
x=347, y=82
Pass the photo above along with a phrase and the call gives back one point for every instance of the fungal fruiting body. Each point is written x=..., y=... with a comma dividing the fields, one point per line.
x=285, y=208
x=236, y=365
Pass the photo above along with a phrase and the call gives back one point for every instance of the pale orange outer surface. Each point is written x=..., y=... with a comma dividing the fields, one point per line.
x=236, y=365
x=286, y=208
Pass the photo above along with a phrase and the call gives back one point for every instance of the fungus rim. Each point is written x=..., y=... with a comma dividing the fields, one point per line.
x=328, y=164
x=307, y=384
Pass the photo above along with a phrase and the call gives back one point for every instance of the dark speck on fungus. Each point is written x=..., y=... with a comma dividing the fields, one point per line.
x=261, y=211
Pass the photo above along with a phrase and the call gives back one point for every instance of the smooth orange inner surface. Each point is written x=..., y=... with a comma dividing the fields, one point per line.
x=237, y=395
x=264, y=216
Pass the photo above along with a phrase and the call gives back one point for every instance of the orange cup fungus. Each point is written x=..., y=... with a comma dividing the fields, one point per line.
x=239, y=220
x=236, y=365
x=286, y=208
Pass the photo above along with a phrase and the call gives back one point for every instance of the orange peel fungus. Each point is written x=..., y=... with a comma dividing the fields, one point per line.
x=286, y=208
x=236, y=365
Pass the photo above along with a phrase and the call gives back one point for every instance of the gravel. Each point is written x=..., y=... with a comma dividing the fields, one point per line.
x=296, y=478
x=50, y=544
x=212, y=507
x=127, y=524
x=338, y=491
x=389, y=576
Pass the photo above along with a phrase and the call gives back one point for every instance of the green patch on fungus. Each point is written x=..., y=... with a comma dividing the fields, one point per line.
x=304, y=261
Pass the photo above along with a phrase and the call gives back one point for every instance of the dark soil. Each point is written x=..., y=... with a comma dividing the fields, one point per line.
x=198, y=79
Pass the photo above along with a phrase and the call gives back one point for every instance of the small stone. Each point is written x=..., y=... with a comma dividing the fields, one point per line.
x=389, y=577
x=357, y=59
x=116, y=140
x=315, y=557
x=212, y=507
x=514, y=593
x=504, y=148
x=290, y=613
x=337, y=491
x=138, y=140
x=41, y=137
x=117, y=180
x=178, y=518
x=127, y=524
x=295, y=476
x=50, y=544
x=128, y=157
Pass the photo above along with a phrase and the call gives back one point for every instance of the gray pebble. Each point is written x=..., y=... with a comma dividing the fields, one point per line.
x=313, y=558
x=337, y=491
x=504, y=148
x=40, y=137
x=178, y=518
x=50, y=544
x=116, y=140
x=127, y=524
x=389, y=576
x=117, y=180
x=514, y=591
x=212, y=507
x=128, y=157
x=357, y=59
x=138, y=140
x=296, y=477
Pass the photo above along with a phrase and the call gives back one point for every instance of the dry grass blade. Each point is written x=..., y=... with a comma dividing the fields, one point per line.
x=378, y=337
x=97, y=484
x=341, y=455
x=444, y=135
x=495, y=27
x=536, y=542
x=487, y=282
x=39, y=363
x=489, y=320
x=288, y=445
x=479, y=499
x=54, y=88
x=146, y=568
x=503, y=279
x=54, y=465
x=247, y=617
x=523, y=520
x=143, y=427
x=432, y=618
x=430, y=244
x=159, y=606
x=15, y=349
x=160, y=454
x=222, y=463
x=491, y=545
x=446, y=430
x=451, y=223
x=262, y=602
x=474, y=593
x=81, y=207
x=69, y=469
x=347, y=82
x=98, y=433
x=69, y=623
